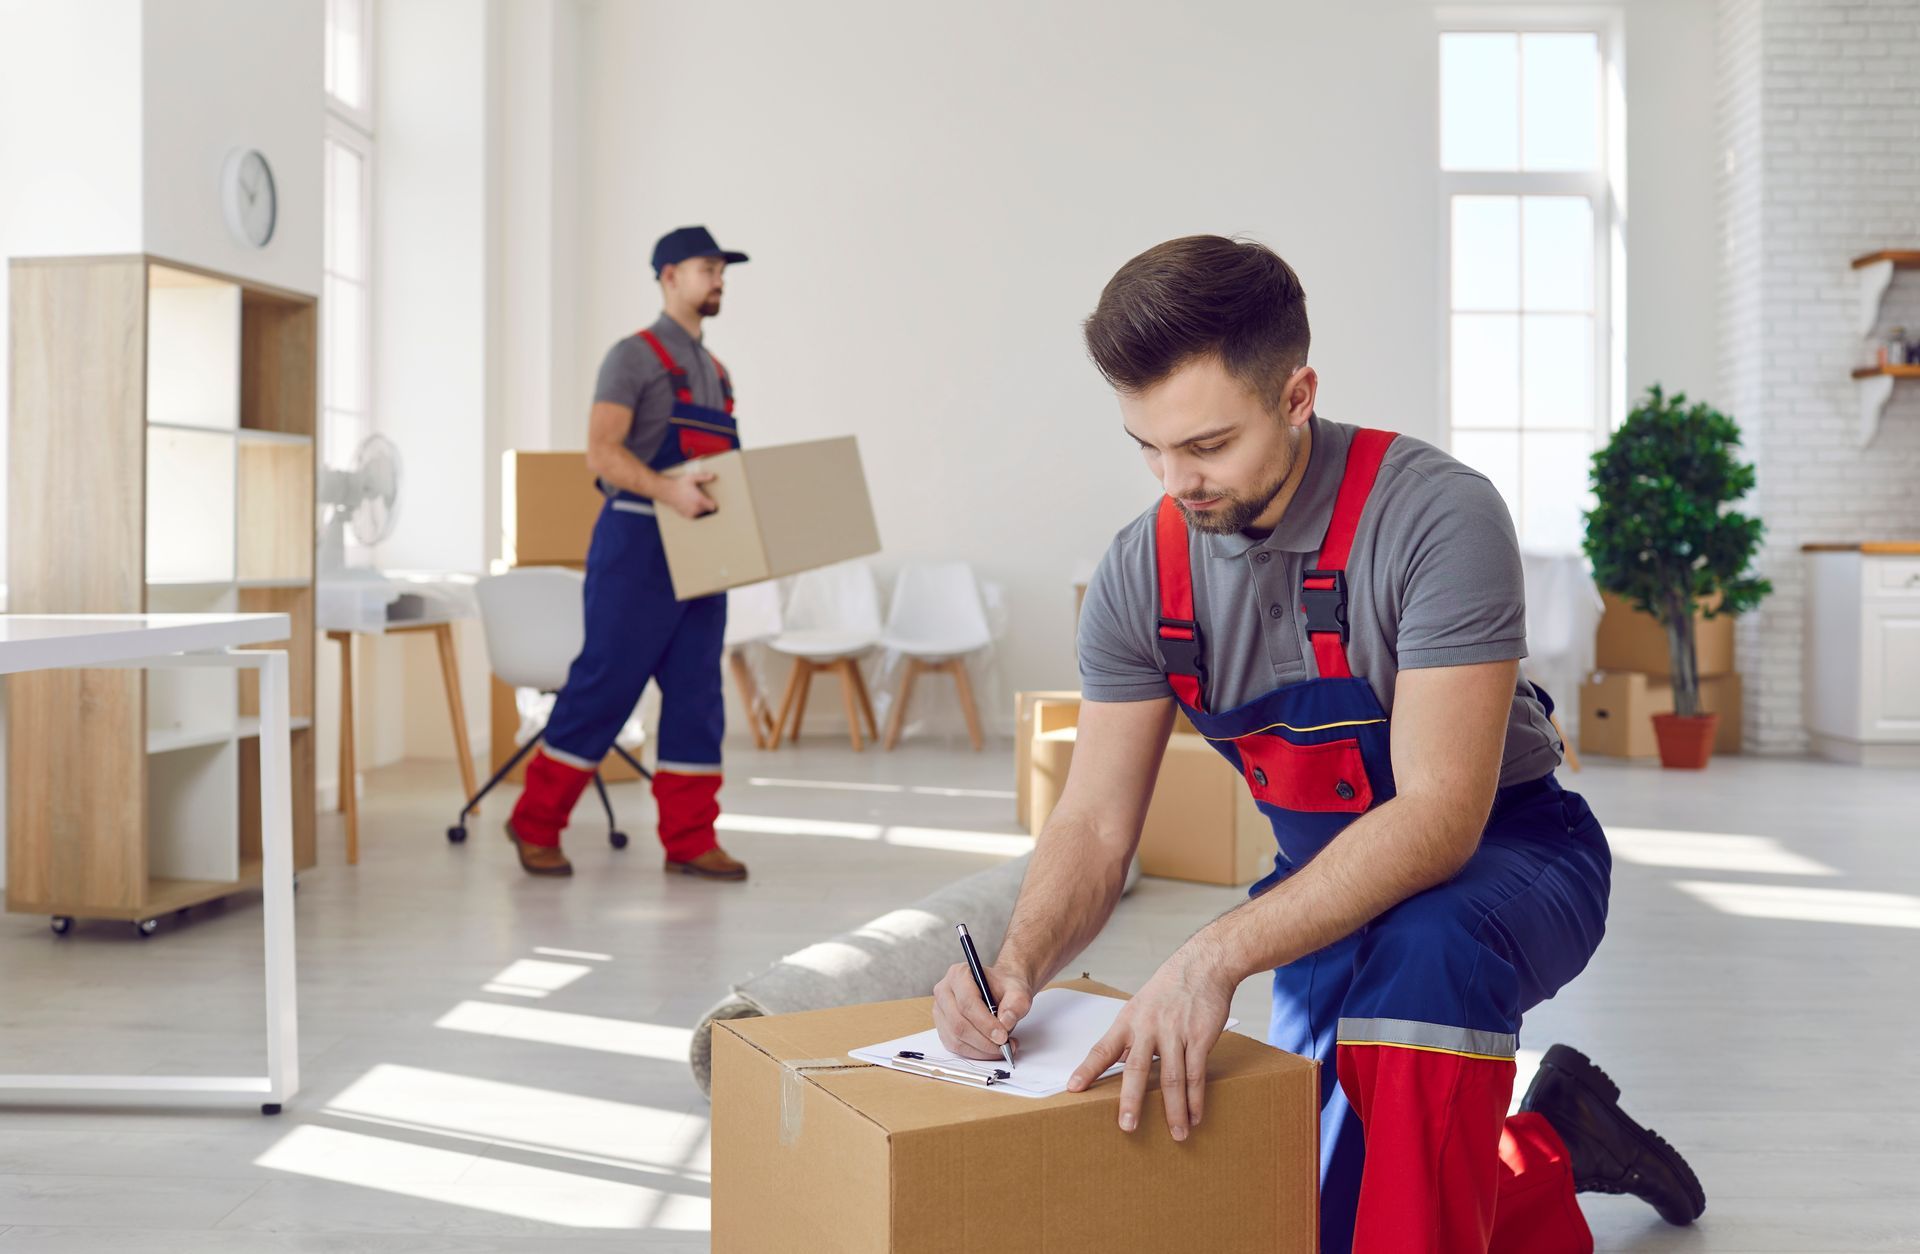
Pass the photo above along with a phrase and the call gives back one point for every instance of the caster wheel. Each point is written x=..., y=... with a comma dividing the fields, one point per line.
x=147, y=927
x=617, y=839
x=62, y=924
x=270, y=1108
x=457, y=834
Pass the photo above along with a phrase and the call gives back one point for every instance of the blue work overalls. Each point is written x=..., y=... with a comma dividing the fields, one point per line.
x=637, y=631
x=1417, y=1013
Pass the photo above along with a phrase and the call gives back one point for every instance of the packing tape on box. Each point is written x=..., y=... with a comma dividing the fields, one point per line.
x=793, y=1090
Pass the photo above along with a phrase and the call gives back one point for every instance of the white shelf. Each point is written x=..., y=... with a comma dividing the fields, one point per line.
x=193, y=355
x=190, y=505
x=273, y=437
x=250, y=726
x=193, y=813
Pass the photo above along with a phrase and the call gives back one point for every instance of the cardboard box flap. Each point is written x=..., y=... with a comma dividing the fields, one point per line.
x=809, y=1041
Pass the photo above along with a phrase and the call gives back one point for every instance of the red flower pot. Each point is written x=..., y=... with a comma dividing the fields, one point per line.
x=1686, y=743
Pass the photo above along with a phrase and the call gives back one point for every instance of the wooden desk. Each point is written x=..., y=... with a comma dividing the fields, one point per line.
x=442, y=629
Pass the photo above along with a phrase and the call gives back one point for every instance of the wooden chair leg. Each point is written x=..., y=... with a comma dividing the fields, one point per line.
x=847, y=696
x=786, y=701
x=866, y=702
x=807, y=668
x=1566, y=746
x=749, y=698
x=349, y=799
x=964, y=683
x=456, y=704
x=897, y=719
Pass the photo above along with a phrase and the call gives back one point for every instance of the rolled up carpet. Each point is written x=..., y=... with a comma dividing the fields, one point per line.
x=903, y=953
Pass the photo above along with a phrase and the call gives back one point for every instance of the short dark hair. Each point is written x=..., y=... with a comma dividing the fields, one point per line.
x=1202, y=295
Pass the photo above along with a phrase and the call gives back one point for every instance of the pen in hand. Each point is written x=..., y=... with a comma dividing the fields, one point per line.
x=980, y=982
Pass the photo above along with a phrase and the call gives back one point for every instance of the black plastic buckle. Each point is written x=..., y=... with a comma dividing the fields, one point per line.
x=1325, y=608
x=1182, y=657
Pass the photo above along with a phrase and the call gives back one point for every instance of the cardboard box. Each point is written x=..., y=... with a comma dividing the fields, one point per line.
x=1617, y=709
x=814, y=1153
x=1628, y=640
x=782, y=509
x=1025, y=705
x=1201, y=823
x=548, y=505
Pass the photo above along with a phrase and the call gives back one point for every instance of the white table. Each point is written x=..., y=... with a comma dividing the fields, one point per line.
x=33, y=642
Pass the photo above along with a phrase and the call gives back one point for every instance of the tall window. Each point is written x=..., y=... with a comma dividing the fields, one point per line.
x=1531, y=223
x=345, y=300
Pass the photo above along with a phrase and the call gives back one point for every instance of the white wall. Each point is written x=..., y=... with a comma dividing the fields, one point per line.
x=432, y=283
x=1821, y=116
x=934, y=197
x=222, y=75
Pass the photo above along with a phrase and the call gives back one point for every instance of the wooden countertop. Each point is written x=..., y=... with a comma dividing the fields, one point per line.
x=1905, y=548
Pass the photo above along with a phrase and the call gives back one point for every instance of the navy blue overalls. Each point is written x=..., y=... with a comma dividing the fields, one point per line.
x=637, y=631
x=1418, y=1012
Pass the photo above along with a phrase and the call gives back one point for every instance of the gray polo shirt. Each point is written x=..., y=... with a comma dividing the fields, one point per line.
x=632, y=375
x=1433, y=580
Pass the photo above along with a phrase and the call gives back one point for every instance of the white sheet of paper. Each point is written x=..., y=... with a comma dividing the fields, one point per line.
x=1055, y=1037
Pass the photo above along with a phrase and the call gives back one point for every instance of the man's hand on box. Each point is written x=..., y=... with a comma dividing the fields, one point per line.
x=684, y=497
x=965, y=1026
x=1179, y=1015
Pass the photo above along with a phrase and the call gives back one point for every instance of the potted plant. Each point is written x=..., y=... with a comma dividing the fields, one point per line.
x=1663, y=536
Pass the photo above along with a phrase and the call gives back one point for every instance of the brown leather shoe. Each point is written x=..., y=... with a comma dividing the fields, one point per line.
x=714, y=864
x=539, y=859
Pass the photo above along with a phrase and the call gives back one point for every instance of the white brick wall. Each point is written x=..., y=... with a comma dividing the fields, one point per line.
x=1820, y=131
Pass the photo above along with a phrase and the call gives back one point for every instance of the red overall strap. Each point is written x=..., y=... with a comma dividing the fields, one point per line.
x=682, y=389
x=726, y=384
x=1323, y=596
x=1179, y=630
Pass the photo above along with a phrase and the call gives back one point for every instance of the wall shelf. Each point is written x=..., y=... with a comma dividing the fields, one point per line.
x=1875, y=272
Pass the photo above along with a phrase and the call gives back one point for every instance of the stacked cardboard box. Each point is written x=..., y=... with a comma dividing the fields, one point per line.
x=1634, y=682
x=1201, y=823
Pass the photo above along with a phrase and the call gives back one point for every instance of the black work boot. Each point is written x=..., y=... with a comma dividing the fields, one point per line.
x=1610, y=1152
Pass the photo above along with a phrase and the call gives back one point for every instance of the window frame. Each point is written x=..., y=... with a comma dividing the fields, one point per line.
x=1604, y=188
x=350, y=127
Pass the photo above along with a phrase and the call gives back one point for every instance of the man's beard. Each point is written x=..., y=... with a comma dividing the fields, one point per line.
x=1234, y=512
x=710, y=307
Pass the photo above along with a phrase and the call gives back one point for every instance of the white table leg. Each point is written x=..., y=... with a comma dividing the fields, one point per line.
x=276, y=877
x=282, y=1080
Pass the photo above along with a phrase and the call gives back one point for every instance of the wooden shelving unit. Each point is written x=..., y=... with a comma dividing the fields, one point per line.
x=162, y=444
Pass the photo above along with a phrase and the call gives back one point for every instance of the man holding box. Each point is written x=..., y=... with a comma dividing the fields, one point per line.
x=662, y=399
x=1341, y=612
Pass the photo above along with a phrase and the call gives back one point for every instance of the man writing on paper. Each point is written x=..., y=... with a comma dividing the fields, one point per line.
x=1340, y=611
x=661, y=399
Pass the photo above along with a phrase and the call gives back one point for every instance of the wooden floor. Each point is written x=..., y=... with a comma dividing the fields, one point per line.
x=496, y=1063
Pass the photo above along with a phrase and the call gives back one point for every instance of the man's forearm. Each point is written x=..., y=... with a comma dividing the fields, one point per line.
x=1072, y=884
x=623, y=470
x=1406, y=846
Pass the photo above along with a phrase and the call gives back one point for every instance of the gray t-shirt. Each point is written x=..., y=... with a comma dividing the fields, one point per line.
x=1434, y=579
x=631, y=375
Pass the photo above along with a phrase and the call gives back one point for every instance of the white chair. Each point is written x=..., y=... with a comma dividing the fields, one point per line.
x=753, y=617
x=832, y=621
x=936, y=620
x=536, y=622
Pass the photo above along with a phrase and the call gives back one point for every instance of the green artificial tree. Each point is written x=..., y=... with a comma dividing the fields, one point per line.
x=1662, y=534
